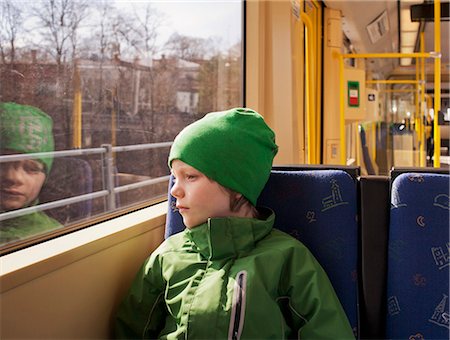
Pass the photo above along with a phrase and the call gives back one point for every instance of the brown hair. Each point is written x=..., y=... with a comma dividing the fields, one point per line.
x=238, y=200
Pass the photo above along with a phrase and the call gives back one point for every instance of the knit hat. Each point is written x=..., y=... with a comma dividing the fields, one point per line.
x=26, y=129
x=235, y=148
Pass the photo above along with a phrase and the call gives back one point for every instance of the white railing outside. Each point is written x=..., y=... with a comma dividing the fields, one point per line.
x=106, y=152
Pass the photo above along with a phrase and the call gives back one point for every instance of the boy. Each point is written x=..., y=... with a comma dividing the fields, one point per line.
x=24, y=129
x=229, y=274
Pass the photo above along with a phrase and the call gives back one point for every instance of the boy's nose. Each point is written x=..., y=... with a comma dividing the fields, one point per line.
x=10, y=173
x=176, y=191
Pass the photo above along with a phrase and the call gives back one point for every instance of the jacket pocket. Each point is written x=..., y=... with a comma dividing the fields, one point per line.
x=238, y=307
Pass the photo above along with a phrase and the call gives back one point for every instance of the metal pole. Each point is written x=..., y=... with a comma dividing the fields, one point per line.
x=392, y=81
x=390, y=55
x=342, y=140
x=76, y=109
x=309, y=88
x=422, y=104
x=398, y=91
x=318, y=104
x=108, y=175
x=437, y=83
x=417, y=113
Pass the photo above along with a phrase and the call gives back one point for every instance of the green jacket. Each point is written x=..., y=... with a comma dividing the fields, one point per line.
x=19, y=228
x=232, y=278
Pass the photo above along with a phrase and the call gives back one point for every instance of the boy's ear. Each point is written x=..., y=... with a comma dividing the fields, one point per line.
x=237, y=195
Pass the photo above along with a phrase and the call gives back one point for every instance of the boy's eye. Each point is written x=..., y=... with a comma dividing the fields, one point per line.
x=31, y=166
x=190, y=177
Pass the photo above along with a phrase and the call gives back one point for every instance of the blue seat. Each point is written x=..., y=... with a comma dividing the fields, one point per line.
x=418, y=258
x=69, y=177
x=319, y=208
x=174, y=221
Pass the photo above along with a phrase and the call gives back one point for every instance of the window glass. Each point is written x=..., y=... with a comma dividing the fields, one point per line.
x=113, y=82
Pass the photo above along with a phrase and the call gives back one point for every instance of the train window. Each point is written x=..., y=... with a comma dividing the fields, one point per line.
x=93, y=94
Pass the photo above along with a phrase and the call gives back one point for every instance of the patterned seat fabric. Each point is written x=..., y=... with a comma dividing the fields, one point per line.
x=418, y=260
x=320, y=209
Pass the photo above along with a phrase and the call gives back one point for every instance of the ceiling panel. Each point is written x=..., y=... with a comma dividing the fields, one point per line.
x=356, y=17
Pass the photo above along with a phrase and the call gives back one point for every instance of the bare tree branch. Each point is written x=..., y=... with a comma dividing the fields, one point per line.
x=188, y=48
x=59, y=21
x=11, y=24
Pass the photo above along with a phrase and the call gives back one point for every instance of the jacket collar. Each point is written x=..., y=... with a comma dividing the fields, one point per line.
x=230, y=236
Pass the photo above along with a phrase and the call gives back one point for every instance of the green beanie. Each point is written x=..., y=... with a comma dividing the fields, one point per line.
x=26, y=129
x=235, y=148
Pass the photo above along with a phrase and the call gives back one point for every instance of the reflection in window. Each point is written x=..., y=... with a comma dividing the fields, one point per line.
x=118, y=73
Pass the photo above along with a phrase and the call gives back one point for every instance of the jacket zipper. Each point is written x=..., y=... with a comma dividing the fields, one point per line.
x=238, y=309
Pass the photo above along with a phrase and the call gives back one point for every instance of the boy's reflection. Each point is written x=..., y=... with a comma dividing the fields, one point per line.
x=21, y=182
x=24, y=129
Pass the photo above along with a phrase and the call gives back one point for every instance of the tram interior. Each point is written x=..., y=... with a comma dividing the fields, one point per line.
x=393, y=84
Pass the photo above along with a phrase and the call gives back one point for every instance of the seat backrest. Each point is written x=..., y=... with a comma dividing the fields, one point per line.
x=69, y=177
x=418, y=257
x=320, y=209
x=174, y=221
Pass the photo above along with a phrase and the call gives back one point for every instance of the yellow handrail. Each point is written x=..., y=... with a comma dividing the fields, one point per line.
x=422, y=100
x=397, y=90
x=318, y=56
x=299, y=76
x=392, y=81
x=437, y=83
x=417, y=111
x=341, y=110
x=389, y=55
x=311, y=20
x=309, y=89
x=76, y=109
x=318, y=92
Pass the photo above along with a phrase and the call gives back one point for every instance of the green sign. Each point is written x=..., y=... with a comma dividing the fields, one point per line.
x=353, y=93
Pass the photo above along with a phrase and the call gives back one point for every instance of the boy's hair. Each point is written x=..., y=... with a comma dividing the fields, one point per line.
x=237, y=202
x=234, y=148
x=26, y=129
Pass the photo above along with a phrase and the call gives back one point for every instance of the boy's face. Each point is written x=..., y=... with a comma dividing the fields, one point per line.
x=20, y=183
x=198, y=197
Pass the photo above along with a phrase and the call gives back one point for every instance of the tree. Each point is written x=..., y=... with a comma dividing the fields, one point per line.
x=59, y=22
x=135, y=33
x=189, y=48
x=11, y=24
x=147, y=26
